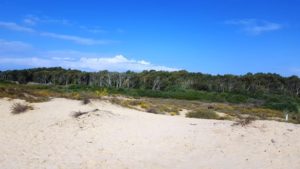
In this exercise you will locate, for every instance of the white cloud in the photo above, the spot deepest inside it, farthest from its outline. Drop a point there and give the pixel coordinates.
(116, 63)
(78, 60)
(15, 27)
(255, 26)
(76, 39)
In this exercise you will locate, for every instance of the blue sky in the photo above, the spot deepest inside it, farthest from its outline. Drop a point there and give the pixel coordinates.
(209, 36)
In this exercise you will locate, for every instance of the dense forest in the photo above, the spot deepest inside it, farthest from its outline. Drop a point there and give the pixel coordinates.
(272, 88)
(160, 80)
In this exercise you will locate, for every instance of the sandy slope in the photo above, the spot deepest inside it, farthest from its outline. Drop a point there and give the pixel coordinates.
(119, 138)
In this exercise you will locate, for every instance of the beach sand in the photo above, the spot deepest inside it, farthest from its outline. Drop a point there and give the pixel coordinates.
(114, 137)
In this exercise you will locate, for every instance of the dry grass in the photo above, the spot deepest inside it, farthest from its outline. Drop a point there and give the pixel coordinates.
(24, 94)
(153, 110)
(144, 105)
(174, 113)
(42, 93)
(18, 108)
(115, 100)
(131, 103)
(244, 122)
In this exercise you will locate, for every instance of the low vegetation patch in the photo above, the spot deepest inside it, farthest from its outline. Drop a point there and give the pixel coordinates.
(153, 110)
(18, 108)
(173, 113)
(144, 105)
(102, 92)
(203, 114)
(168, 101)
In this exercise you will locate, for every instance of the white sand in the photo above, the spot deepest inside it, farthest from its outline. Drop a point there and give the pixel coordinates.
(119, 138)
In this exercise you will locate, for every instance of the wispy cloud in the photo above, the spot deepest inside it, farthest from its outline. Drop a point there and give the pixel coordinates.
(15, 48)
(34, 20)
(29, 21)
(96, 30)
(12, 46)
(255, 26)
(76, 39)
(15, 27)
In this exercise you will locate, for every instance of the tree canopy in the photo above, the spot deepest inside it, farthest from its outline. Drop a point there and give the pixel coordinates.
(258, 83)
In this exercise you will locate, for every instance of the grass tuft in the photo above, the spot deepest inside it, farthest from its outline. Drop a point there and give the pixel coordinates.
(18, 108)
(244, 122)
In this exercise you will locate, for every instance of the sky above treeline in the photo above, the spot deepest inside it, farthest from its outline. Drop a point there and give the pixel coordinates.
(209, 36)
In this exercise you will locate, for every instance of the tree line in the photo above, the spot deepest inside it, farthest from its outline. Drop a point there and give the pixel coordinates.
(260, 83)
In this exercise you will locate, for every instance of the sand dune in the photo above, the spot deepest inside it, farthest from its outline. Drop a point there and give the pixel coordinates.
(113, 137)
